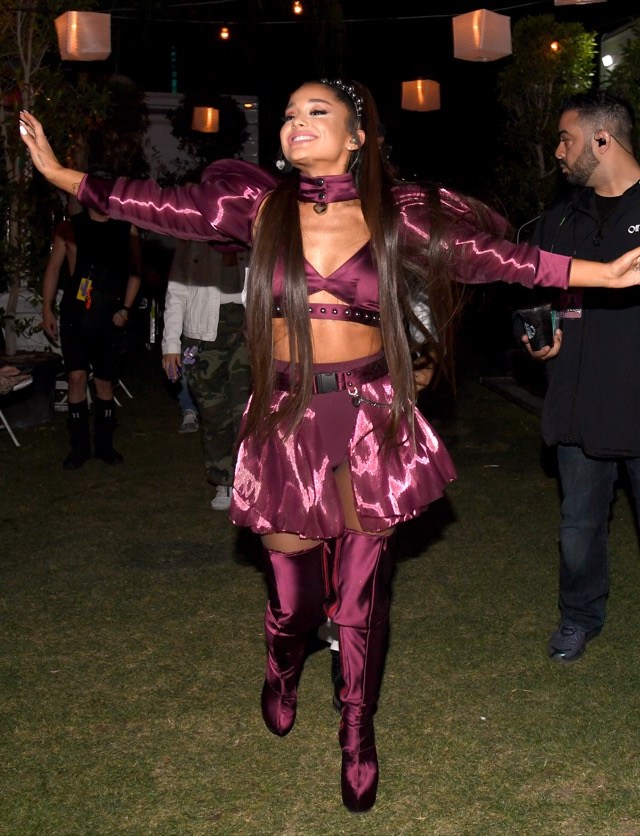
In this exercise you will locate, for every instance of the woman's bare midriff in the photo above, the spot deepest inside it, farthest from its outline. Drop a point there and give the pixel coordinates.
(334, 341)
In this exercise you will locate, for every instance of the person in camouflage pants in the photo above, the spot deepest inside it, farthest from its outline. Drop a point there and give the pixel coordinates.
(219, 381)
(204, 340)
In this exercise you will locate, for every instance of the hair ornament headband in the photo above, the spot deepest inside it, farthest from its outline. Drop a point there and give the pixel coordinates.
(349, 89)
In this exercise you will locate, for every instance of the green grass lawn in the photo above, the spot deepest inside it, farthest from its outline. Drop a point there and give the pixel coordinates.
(132, 653)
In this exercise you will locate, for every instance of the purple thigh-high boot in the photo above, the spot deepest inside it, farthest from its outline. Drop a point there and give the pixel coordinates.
(362, 579)
(298, 585)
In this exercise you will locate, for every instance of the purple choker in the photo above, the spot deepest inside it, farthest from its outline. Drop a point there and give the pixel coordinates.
(321, 191)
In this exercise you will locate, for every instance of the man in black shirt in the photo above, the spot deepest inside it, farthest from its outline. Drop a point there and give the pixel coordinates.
(98, 295)
(592, 406)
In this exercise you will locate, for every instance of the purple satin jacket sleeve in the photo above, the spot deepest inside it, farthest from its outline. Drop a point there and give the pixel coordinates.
(222, 207)
(480, 256)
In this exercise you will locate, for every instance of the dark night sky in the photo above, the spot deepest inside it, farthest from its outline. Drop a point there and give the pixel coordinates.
(268, 58)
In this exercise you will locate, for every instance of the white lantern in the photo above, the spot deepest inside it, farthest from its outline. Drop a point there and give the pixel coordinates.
(576, 2)
(421, 94)
(84, 36)
(481, 36)
(206, 120)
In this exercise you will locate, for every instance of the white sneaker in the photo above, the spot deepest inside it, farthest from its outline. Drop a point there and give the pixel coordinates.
(222, 500)
(189, 422)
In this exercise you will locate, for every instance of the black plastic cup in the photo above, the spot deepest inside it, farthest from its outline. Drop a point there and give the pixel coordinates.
(537, 324)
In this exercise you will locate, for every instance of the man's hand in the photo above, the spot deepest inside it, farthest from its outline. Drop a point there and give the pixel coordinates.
(423, 377)
(172, 365)
(548, 351)
(423, 370)
(9, 377)
(120, 318)
(50, 324)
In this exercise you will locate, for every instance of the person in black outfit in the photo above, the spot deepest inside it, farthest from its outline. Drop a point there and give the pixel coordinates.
(104, 281)
(592, 406)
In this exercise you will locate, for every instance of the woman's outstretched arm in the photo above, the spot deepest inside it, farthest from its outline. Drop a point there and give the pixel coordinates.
(222, 207)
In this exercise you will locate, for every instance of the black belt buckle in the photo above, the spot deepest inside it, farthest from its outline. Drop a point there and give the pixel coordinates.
(326, 382)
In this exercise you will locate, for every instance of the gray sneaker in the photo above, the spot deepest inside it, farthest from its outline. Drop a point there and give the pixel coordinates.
(568, 643)
(189, 422)
(222, 500)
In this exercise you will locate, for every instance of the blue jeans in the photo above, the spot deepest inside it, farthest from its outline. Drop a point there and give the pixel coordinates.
(185, 398)
(587, 488)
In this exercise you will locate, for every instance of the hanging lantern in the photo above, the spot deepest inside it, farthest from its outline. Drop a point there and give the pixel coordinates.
(297, 7)
(84, 36)
(206, 120)
(224, 33)
(481, 36)
(576, 2)
(421, 94)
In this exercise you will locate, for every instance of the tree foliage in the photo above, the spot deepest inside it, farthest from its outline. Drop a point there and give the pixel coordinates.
(72, 108)
(204, 148)
(624, 78)
(531, 89)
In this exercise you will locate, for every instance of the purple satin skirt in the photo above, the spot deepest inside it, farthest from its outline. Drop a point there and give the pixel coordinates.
(287, 485)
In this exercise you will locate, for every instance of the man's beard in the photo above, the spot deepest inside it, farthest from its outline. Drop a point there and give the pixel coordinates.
(582, 169)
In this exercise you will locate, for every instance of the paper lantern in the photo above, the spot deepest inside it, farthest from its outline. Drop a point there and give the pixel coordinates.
(481, 36)
(84, 36)
(206, 120)
(576, 2)
(421, 94)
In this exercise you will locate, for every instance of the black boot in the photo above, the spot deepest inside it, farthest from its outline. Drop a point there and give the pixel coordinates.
(79, 437)
(105, 424)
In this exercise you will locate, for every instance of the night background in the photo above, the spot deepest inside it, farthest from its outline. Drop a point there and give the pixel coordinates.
(175, 46)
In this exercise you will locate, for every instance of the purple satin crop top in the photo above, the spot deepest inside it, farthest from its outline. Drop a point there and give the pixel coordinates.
(355, 283)
(224, 206)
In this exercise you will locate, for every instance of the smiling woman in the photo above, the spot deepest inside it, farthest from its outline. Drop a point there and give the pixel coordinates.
(333, 454)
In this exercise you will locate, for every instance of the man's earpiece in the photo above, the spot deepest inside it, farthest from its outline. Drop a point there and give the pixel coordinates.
(601, 141)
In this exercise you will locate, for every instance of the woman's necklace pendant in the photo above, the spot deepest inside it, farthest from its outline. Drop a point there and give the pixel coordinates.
(320, 208)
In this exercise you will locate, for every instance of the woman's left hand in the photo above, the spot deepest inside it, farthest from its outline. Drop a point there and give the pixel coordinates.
(625, 270)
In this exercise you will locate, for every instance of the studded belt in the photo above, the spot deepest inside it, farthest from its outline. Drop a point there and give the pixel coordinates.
(344, 313)
(337, 381)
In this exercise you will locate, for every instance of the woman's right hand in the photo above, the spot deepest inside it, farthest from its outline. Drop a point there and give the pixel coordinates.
(34, 138)
(43, 157)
